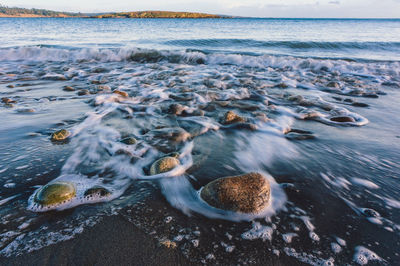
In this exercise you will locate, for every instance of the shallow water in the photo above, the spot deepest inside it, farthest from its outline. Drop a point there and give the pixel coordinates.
(335, 186)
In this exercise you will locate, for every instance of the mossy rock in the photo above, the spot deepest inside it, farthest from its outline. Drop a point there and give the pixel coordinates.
(55, 193)
(248, 193)
(163, 165)
(60, 135)
(129, 141)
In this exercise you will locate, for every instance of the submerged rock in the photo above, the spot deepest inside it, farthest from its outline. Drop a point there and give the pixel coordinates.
(60, 135)
(122, 93)
(248, 193)
(298, 134)
(129, 140)
(97, 191)
(55, 193)
(333, 84)
(163, 165)
(68, 88)
(7, 100)
(343, 119)
(26, 110)
(83, 92)
(231, 117)
(176, 109)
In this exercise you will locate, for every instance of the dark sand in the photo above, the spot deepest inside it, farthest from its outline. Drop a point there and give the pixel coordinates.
(116, 240)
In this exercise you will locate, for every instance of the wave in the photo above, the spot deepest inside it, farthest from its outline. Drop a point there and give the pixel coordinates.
(284, 44)
(54, 54)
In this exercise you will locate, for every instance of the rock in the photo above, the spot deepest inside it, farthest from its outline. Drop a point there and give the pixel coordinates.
(248, 193)
(122, 93)
(68, 88)
(333, 84)
(176, 109)
(196, 112)
(163, 165)
(358, 104)
(176, 134)
(83, 92)
(298, 136)
(53, 76)
(97, 191)
(370, 212)
(103, 88)
(168, 244)
(248, 126)
(173, 154)
(123, 152)
(10, 86)
(231, 117)
(129, 140)
(26, 110)
(55, 193)
(60, 135)
(7, 100)
(343, 119)
(281, 85)
(296, 98)
(99, 70)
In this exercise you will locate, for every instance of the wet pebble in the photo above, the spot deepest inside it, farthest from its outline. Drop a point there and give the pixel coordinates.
(231, 117)
(60, 135)
(163, 165)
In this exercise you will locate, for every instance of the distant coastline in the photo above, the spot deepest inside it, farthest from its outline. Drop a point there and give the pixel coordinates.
(16, 12)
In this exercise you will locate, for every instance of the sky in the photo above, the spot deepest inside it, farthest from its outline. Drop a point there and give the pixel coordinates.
(251, 8)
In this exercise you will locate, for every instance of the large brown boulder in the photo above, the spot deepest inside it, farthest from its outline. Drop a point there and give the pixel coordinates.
(248, 193)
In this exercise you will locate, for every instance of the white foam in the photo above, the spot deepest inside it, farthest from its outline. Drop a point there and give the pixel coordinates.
(363, 255)
(365, 183)
(288, 237)
(258, 231)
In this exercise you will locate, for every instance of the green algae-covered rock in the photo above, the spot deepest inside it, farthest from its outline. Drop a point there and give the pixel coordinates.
(163, 165)
(60, 135)
(248, 193)
(55, 193)
(129, 140)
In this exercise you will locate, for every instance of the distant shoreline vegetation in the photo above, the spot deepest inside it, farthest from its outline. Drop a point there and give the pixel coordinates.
(43, 13)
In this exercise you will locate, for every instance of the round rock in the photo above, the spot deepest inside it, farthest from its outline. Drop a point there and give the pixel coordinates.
(248, 193)
(55, 193)
(60, 135)
(163, 165)
(231, 117)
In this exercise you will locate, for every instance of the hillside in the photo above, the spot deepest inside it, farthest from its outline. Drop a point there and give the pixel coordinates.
(156, 14)
(24, 12)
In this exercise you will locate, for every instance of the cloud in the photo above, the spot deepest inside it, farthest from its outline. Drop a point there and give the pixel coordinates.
(334, 2)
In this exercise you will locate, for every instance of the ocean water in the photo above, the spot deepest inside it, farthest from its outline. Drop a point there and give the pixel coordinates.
(321, 102)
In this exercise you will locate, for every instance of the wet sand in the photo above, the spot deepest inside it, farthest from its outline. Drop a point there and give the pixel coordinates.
(117, 241)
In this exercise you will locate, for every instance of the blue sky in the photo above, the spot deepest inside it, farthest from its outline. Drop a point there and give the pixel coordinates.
(255, 8)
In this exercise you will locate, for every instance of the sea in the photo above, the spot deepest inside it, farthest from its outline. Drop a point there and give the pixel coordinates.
(321, 103)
